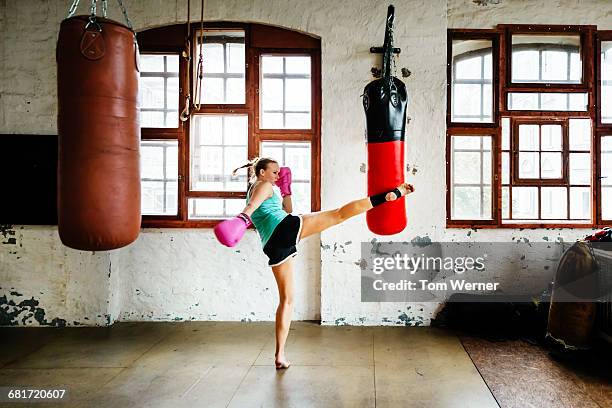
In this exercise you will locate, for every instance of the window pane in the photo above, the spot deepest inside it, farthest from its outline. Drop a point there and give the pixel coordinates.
(272, 65)
(466, 168)
(554, 203)
(159, 175)
(212, 90)
(152, 92)
(505, 122)
(505, 168)
(272, 94)
(203, 208)
(297, 120)
(466, 143)
(580, 134)
(297, 94)
(606, 81)
(529, 137)
(467, 102)
(529, 165)
(286, 88)
(223, 67)
(235, 58)
(546, 58)
(471, 86)
(550, 165)
(606, 160)
(297, 156)
(152, 63)
(547, 101)
(505, 202)
(524, 202)
(236, 130)
(580, 168)
(554, 66)
(151, 161)
(606, 203)
(525, 66)
(469, 67)
(298, 65)
(551, 137)
(218, 146)
(471, 177)
(580, 203)
(467, 203)
(234, 90)
(159, 91)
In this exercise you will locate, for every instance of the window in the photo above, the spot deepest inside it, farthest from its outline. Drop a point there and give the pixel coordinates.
(471, 175)
(159, 175)
(259, 96)
(286, 92)
(223, 66)
(159, 90)
(546, 125)
(542, 58)
(472, 81)
(296, 155)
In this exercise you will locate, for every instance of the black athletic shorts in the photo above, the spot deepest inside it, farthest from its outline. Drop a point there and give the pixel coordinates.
(284, 238)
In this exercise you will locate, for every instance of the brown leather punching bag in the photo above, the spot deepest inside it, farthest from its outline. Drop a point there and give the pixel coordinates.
(99, 134)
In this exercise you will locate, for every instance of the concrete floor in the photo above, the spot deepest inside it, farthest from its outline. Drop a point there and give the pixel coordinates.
(210, 364)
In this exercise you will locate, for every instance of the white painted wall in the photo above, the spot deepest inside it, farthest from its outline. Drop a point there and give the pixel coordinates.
(183, 274)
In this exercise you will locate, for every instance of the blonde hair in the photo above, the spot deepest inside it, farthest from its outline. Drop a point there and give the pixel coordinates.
(254, 166)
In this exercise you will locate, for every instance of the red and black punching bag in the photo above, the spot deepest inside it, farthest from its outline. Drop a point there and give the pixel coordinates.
(384, 101)
(98, 192)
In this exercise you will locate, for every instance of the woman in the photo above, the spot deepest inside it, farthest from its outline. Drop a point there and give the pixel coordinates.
(280, 231)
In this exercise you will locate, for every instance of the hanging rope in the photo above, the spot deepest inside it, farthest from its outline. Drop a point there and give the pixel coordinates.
(192, 105)
(186, 112)
(200, 69)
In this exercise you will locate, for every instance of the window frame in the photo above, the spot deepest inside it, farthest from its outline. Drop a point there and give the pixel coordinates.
(464, 34)
(601, 129)
(515, 180)
(171, 39)
(502, 65)
(495, 180)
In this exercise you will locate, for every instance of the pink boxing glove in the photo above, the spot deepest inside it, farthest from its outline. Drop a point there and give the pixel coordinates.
(230, 232)
(284, 181)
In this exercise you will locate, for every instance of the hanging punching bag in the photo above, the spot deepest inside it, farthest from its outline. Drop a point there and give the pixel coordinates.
(384, 101)
(99, 134)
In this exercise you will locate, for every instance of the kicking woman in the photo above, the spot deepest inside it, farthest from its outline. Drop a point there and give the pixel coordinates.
(280, 231)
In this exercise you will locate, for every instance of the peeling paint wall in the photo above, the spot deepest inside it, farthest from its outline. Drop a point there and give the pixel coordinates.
(184, 274)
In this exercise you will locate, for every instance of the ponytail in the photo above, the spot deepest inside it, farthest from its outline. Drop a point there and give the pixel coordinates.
(253, 166)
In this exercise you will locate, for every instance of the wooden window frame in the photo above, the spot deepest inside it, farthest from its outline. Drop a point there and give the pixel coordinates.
(590, 56)
(170, 40)
(515, 180)
(495, 180)
(461, 34)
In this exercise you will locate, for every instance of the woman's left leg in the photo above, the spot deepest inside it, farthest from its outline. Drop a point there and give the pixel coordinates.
(283, 274)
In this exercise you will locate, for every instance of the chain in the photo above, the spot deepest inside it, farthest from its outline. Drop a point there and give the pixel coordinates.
(92, 9)
(127, 19)
(104, 8)
(73, 8)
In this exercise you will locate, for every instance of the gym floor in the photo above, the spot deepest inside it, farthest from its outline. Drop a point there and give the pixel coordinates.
(210, 364)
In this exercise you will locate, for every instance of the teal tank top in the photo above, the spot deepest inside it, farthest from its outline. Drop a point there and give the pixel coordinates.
(269, 214)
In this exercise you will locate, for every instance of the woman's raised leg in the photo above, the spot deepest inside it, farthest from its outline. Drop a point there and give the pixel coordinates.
(316, 222)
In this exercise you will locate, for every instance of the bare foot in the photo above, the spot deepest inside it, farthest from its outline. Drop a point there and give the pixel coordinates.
(404, 188)
(281, 362)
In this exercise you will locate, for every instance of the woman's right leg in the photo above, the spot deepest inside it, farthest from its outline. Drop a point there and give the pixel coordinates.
(283, 274)
(316, 222)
